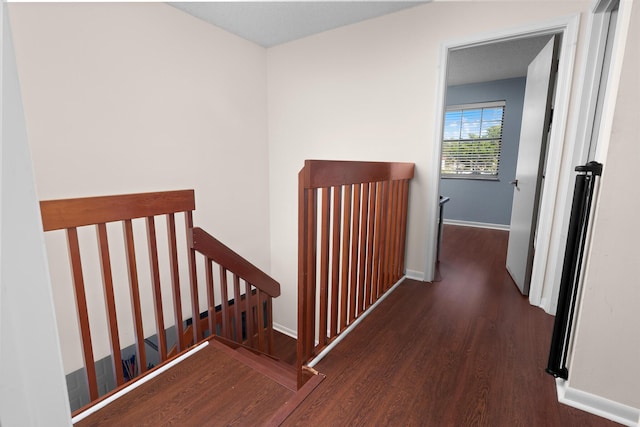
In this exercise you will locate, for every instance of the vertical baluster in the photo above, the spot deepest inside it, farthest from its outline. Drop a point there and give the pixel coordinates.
(393, 232)
(211, 299)
(387, 238)
(193, 278)
(370, 236)
(236, 309)
(346, 244)
(248, 317)
(224, 297)
(175, 281)
(389, 245)
(135, 295)
(83, 314)
(396, 235)
(397, 270)
(403, 227)
(157, 292)
(335, 260)
(311, 268)
(110, 303)
(324, 267)
(261, 328)
(301, 349)
(270, 324)
(382, 237)
(363, 247)
(355, 227)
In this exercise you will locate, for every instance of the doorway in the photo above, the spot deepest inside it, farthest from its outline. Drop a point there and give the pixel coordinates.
(492, 158)
(567, 27)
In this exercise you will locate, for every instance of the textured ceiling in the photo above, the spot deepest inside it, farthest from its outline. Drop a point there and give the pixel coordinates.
(268, 24)
(495, 61)
(271, 23)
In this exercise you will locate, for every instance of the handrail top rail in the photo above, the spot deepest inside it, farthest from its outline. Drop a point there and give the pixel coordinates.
(328, 173)
(77, 212)
(212, 248)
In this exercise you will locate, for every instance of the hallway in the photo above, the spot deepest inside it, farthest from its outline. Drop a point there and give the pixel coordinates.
(468, 350)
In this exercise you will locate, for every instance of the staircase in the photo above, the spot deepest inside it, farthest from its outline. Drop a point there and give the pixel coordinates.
(239, 387)
(216, 338)
(213, 368)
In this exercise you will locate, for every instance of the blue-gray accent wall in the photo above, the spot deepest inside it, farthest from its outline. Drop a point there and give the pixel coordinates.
(487, 201)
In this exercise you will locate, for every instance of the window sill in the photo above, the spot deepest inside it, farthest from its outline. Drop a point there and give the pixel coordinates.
(471, 177)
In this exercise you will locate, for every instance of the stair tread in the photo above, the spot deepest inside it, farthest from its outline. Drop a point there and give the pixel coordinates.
(274, 369)
(269, 360)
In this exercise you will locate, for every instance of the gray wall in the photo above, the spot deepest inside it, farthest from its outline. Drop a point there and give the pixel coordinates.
(488, 201)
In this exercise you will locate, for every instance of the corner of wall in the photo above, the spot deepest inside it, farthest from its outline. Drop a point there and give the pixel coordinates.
(597, 405)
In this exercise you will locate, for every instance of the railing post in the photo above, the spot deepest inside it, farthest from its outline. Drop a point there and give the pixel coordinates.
(302, 352)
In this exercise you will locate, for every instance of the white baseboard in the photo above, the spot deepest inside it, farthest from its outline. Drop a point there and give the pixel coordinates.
(283, 329)
(605, 408)
(415, 275)
(503, 227)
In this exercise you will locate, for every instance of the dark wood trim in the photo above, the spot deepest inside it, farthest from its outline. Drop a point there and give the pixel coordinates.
(324, 267)
(301, 350)
(82, 312)
(134, 292)
(193, 277)
(211, 299)
(156, 288)
(212, 248)
(346, 244)
(291, 404)
(110, 302)
(353, 270)
(329, 173)
(335, 260)
(237, 296)
(66, 213)
(175, 281)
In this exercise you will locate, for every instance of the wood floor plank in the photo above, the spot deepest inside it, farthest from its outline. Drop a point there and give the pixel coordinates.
(208, 388)
(466, 351)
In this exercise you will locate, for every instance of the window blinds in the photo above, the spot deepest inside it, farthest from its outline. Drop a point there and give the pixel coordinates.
(472, 140)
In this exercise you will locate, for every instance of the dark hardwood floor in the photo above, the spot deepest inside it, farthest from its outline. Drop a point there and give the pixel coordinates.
(468, 350)
(210, 388)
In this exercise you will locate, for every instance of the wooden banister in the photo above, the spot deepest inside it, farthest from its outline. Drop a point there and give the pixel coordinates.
(331, 173)
(245, 318)
(208, 245)
(67, 213)
(352, 220)
(260, 288)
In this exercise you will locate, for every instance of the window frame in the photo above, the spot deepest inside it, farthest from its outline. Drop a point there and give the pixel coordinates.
(473, 106)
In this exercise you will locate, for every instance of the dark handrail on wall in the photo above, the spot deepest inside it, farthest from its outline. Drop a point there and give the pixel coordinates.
(574, 252)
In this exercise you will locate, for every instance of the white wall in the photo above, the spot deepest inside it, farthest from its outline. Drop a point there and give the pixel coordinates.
(368, 92)
(123, 98)
(606, 352)
(32, 388)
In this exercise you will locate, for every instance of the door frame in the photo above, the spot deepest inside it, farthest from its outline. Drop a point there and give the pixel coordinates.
(555, 196)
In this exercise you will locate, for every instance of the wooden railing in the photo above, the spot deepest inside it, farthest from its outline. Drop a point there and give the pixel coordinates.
(244, 318)
(352, 220)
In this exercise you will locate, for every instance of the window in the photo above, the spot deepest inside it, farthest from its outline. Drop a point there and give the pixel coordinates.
(472, 140)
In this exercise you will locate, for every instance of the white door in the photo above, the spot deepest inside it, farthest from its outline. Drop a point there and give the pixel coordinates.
(536, 117)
